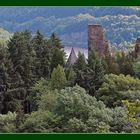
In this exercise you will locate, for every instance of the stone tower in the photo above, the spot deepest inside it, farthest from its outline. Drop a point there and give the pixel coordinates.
(96, 39)
(138, 42)
(136, 49)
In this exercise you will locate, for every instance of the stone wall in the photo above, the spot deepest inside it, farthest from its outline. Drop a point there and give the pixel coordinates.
(136, 49)
(138, 41)
(96, 39)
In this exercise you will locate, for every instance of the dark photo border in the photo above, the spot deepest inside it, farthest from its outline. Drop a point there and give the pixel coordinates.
(70, 3)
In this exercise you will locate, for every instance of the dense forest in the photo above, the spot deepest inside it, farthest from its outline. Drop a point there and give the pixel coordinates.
(40, 93)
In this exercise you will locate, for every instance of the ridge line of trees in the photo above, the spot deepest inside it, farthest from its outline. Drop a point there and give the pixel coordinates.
(38, 93)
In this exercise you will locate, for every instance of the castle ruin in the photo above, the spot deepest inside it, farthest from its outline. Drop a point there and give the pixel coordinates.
(136, 48)
(96, 39)
(97, 42)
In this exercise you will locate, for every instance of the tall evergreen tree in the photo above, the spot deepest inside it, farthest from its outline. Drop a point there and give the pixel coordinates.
(9, 84)
(4, 76)
(79, 67)
(42, 61)
(95, 73)
(136, 67)
(127, 65)
(80, 63)
(58, 57)
(107, 61)
(58, 78)
(57, 52)
(54, 41)
(89, 76)
(22, 57)
(71, 76)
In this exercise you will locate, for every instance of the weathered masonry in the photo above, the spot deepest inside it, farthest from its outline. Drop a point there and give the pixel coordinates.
(96, 39)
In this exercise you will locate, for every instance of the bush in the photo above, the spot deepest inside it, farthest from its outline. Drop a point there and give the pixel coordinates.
(8, 123)
(116, 88)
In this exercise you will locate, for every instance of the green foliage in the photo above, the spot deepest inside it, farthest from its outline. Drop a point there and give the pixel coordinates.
(76, 126)
(9, 83)
(57, 52)
(54, 41)
(118, 63)
(40, 121)
(48, 100)
(80, 111)
(116, 88)
(120, 123)
(4, 75)
(89, 76)
(42, 60)
(95, 73)
(136, 67)
(126, 67)
(43, 120)
(79, 68)
(58, 78)
(39, 89)
(115, 69)
(107, 62)
(103, 128)
(7, 123)
(71, 76)
(72, 110)
(25, 61)
(85, 114)
(33, 84)
(22, 57)
(110, 64)
(4, 37)
(80, 63)
(19, 117)
(133, 114)
(58, 58)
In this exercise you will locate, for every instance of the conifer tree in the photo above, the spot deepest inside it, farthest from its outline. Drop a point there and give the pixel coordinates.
(80, 63)
(58, 78)
(54, 41)
(58, 57)
(79, 67)
(127, 65)
(95, 73)
(9, 83)
(57, 52)
(20, 116)
(42, 60)
(89, 76)
(71, 76)
(107, 62)
(115, 68)
(4, 76)
(22, 56)
(136, 67)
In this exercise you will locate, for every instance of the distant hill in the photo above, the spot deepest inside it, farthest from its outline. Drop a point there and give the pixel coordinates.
(4, 36)
(121, 24)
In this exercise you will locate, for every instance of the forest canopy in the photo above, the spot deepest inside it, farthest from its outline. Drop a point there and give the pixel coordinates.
(40, 93)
